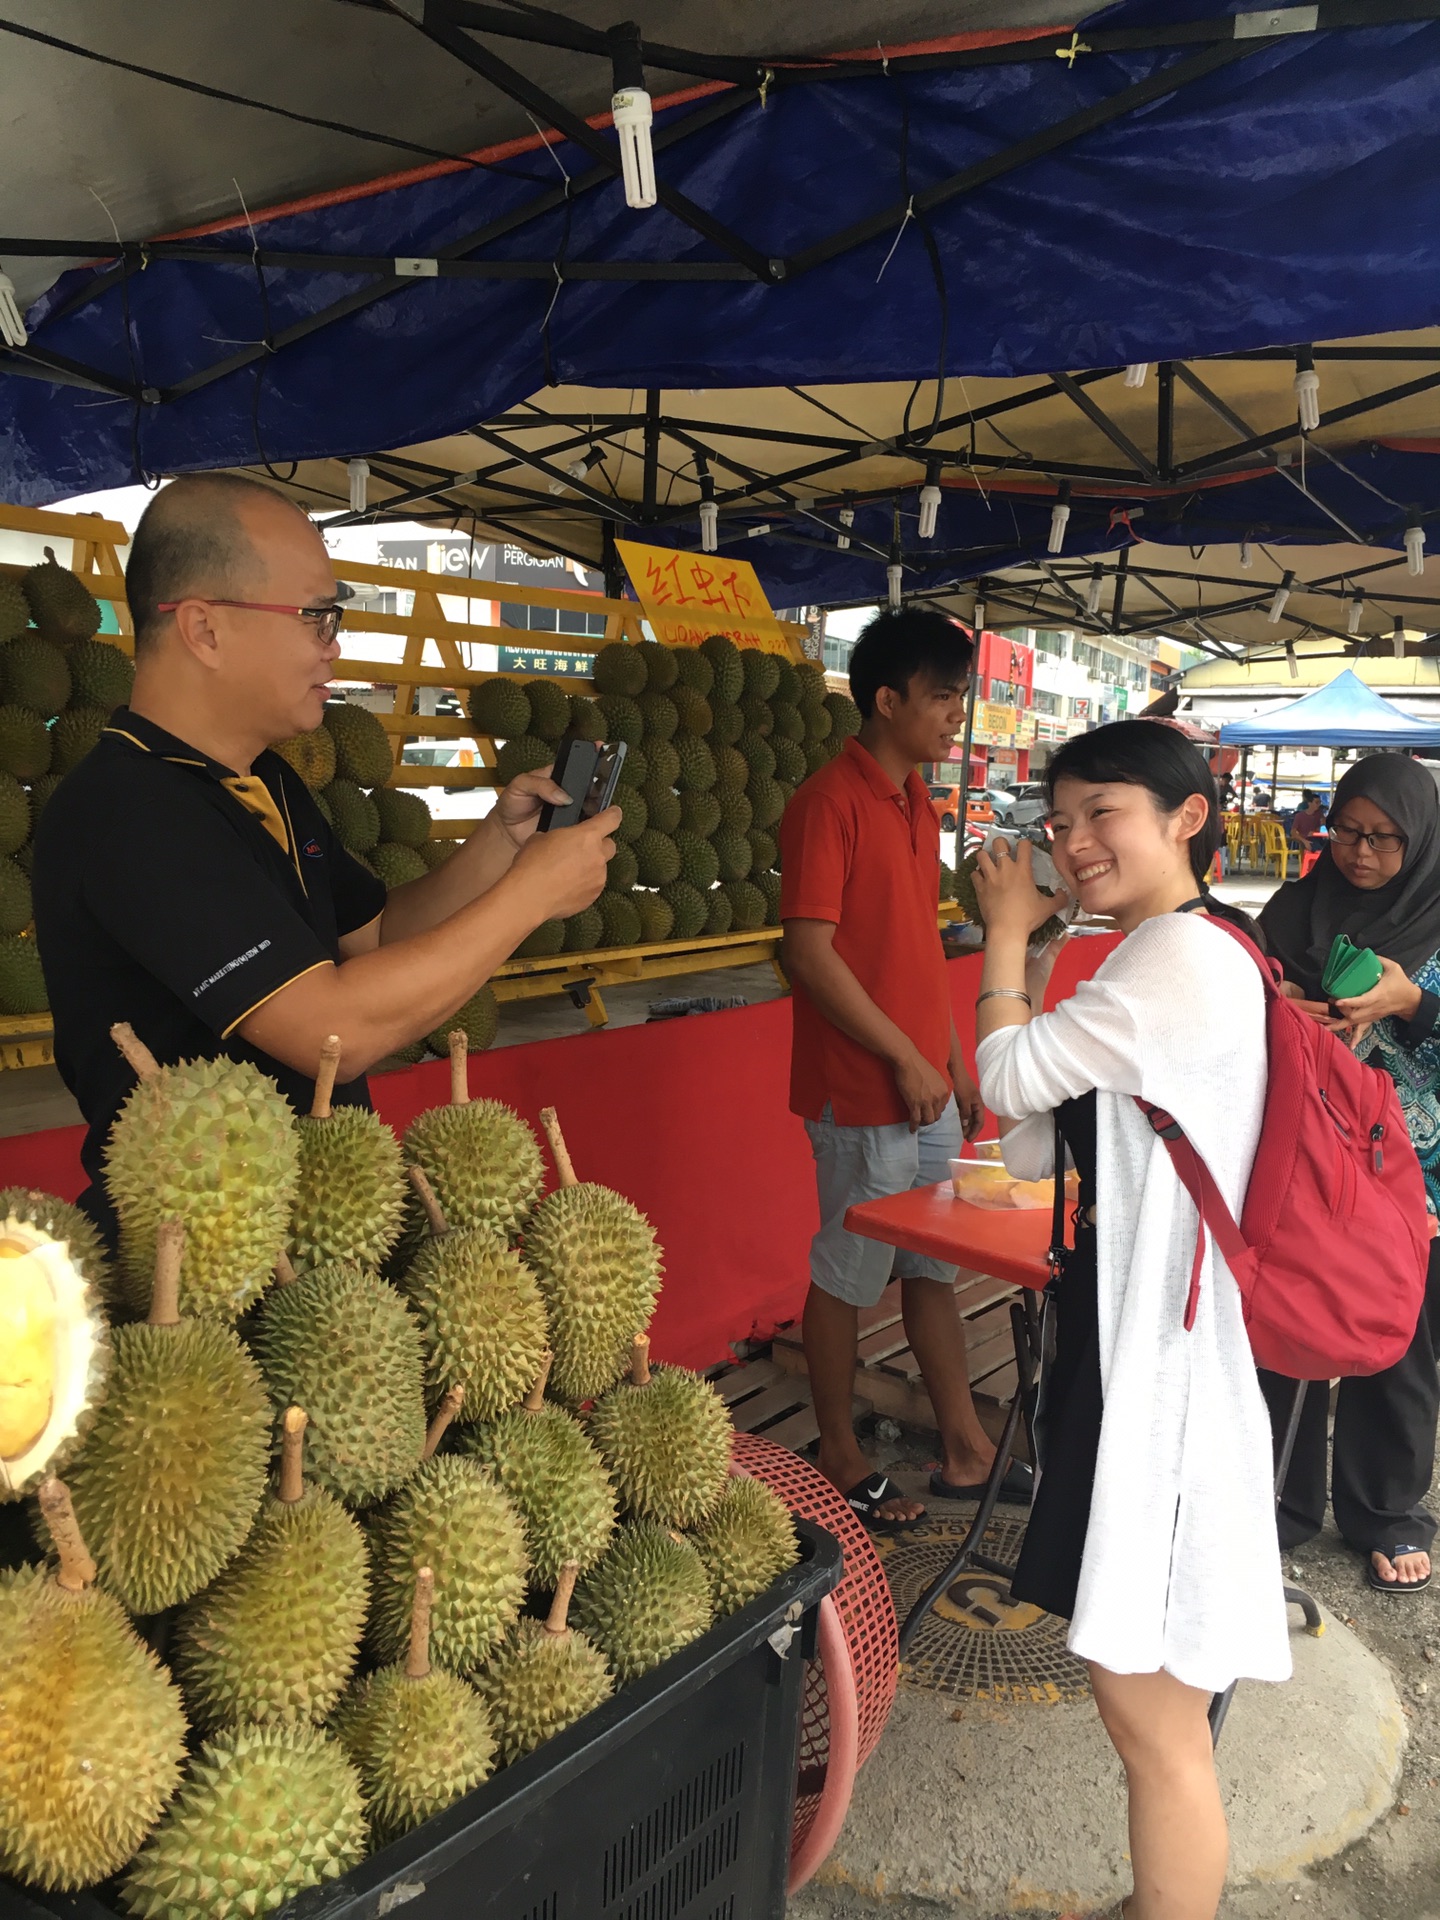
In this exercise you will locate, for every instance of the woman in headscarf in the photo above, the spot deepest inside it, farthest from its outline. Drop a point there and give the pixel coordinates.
(1378, 881)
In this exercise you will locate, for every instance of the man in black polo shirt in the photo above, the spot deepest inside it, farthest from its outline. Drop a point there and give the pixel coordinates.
(186, 881)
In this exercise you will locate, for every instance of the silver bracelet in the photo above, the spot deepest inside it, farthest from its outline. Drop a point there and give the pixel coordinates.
(1004, 993)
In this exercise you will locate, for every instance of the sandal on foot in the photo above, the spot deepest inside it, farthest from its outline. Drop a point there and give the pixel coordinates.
(1372, 1578)
(866, 1498)
(1017, 1487)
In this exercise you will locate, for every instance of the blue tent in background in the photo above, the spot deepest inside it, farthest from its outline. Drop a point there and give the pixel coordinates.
(1183, 191)
(1346, 713)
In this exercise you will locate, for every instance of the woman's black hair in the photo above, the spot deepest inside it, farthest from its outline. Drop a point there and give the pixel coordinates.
(894, 647)
(1171, 769)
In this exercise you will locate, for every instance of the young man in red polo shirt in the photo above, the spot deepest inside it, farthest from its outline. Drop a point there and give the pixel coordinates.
(877, 1073)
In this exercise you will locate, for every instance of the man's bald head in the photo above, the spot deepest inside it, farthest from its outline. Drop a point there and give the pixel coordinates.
(199, 536)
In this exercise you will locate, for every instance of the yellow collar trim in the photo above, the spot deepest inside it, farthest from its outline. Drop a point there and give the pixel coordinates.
(256, 798)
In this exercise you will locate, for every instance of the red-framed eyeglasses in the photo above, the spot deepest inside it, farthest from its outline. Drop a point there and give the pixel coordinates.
(327, 619)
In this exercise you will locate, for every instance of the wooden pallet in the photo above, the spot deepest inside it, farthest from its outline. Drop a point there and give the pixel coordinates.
(765, 1398)
(889, 1374)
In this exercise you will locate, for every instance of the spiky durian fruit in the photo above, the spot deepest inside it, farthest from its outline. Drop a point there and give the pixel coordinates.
(693, 669)
(14, 609)
(397, 866)
(621, 919)
(549, 708)
(664, 1436)
(482, 1160)
(482, 1319)
(657, 917)
(33, 674)
(523, 754)
(362, 746)
(747, 1541)
(719, 913)
(171, 1473)
(452, 1517)
(962, 890)
(623, 873)
(769, 885)
(747, 905)
(211, 1142)
(420, 1737)
(100, 675)
(657, 858)
(620, 668)
(586, 720)
(350, 1194)
(699, 768)
(340, 1343)
(584, 931)
(661, 670)
(598, 1265)
(687, 905)
(276, 1637)
(544, 1678)
(352, 814)
(546, 939)
(478, 1020)
(646, 1599)
(312, 755)
(264, 1813)
(761, 672)
(75, 734)
(500, 709)
(15, 820)
(844, 715)
(404, 817)
(91, 1729)
(60, 606)
(811, 677)
(436, 852)
(728, 665)
(16, 909)
(662, 808)
(53, 1350)
(24, 742)
(556, 1479)
(22, 979)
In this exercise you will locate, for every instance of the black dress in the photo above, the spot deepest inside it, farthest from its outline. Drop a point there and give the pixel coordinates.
(1048, 1572)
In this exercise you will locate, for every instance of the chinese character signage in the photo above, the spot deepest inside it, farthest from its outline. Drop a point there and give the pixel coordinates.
(688, 596)
(994, 724)
(564, 666)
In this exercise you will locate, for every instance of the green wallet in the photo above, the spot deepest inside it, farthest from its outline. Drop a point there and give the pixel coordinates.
(1350, 970)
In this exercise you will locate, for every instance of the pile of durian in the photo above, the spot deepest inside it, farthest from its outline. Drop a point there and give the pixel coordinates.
(59, 685)
(349, 1483)
(717, 740)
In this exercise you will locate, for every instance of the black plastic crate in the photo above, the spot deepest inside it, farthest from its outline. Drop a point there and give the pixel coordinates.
(671, 1802)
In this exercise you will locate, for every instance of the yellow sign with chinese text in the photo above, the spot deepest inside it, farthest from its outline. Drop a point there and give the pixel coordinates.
(686, 597)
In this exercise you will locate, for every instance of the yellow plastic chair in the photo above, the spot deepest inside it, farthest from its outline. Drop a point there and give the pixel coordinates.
(1279, 847)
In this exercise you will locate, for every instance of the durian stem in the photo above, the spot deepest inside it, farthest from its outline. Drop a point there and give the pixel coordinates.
(534, 1401)
(417, 1659)
(292, 1456)
(559, 1152)
(459, 1068)
(560, 1605)
(141, 1059)
(325, 1077)
(77, 1569)
(165, 1293)
(444, 1414)
(425, 1193)
(640, 1361)
(285, 1275)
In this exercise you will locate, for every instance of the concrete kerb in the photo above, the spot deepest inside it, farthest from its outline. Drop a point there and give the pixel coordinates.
(983, 1809)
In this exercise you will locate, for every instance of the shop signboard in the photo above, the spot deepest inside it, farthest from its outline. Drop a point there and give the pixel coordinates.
(994, 724)
(686, 597)
(543, 660)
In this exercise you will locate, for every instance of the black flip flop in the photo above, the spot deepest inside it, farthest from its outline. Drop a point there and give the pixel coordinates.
(1392, 1554)
(1018, 1486)
(867, 1497)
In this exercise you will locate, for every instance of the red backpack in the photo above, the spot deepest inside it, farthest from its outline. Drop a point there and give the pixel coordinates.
(1334, 1239)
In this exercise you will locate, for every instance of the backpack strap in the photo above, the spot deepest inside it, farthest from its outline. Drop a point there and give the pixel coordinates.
(1199, 1183)
(1056, 1257)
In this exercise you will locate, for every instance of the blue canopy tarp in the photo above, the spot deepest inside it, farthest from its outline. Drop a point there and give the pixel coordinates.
(1346, 713)
(1288, 193)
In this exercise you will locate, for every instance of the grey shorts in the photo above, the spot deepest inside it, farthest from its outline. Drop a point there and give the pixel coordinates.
(866, 1163)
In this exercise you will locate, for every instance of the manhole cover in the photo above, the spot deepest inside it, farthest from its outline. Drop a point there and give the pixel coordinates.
(977, 1643)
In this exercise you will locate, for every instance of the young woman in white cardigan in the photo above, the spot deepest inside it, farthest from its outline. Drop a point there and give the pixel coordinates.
(1153, 1528)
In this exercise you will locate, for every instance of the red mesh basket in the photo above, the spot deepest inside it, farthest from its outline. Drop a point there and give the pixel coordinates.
(866, 1616)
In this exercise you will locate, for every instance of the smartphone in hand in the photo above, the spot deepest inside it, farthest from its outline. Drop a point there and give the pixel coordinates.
(589, 771)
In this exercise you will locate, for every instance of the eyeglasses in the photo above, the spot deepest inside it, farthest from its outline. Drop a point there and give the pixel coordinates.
(327, 619)
(1379, 842)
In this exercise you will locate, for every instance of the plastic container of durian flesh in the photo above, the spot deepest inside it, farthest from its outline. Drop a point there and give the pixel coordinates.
(681, 1784)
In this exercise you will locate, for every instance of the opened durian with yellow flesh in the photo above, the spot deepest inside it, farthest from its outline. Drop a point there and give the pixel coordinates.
(53, 1353)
